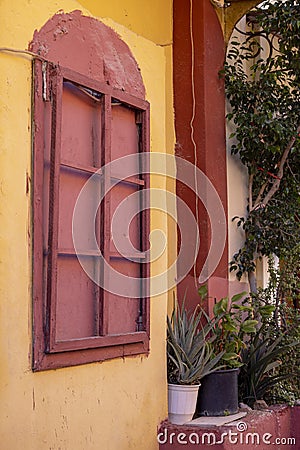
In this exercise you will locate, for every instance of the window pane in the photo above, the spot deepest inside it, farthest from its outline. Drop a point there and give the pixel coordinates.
(125, 223)
(124, 135)
(123, 312)
(71, 183)
(81, 125)
(76, 304)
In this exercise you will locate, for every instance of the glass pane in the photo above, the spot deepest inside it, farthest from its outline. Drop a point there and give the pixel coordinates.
(81, 127)
(71, 183)
(123, 312)
(124, 135)
(125, 219)
(76, 307)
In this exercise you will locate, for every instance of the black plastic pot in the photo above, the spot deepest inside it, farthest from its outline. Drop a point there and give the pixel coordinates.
(218, 394)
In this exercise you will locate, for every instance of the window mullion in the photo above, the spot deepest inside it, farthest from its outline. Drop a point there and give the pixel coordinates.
(105, 209)
(97, 152)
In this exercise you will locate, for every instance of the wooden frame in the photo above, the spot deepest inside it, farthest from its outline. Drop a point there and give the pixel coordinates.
(48, 352)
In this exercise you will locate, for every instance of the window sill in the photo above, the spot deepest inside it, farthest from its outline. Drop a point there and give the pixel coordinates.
(48, 361)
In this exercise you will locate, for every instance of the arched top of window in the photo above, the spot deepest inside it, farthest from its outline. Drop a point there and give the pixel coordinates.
(91, 48)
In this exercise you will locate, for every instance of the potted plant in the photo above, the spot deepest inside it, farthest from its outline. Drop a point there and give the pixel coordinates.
(190, 357)
(271, 357)
(232, 324)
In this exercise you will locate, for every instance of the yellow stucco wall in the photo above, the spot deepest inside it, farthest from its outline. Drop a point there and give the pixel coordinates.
(117, 404)
(150, 19)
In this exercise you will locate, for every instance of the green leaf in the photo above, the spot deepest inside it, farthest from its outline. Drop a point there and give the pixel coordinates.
(267, 310)
(227, 326)
(221, 306)
(202, 291)
(249, 326)
(230, 356)
(238, 297)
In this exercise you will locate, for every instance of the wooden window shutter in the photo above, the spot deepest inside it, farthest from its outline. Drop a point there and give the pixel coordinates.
(80, 126)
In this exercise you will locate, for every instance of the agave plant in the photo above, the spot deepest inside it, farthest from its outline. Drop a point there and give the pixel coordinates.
(190, 355)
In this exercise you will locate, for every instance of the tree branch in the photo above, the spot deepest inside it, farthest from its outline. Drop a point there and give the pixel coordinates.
(250, 191)
(290, 169)
(276, 182)
(252, 282)
(260, 194)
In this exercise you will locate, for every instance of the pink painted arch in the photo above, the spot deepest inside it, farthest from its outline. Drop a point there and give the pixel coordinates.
(91, 48)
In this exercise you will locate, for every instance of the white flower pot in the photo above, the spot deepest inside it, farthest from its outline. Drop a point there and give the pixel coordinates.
(182, 401)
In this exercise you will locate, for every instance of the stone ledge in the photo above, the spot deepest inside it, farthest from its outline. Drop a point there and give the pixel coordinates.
(218, 421)
(277, 428)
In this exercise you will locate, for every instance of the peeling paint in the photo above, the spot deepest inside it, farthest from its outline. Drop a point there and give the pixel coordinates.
(28, 183)
(33, 400)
